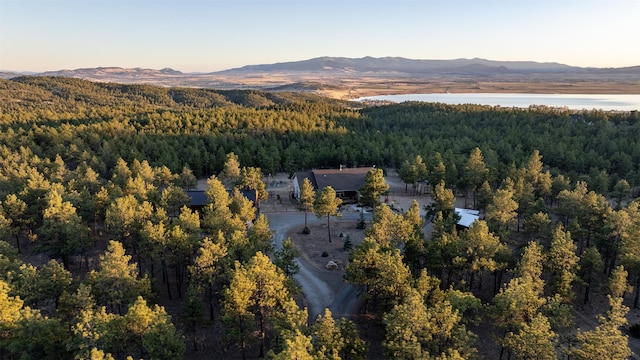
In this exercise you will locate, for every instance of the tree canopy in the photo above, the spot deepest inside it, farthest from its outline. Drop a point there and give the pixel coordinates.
(95, 233)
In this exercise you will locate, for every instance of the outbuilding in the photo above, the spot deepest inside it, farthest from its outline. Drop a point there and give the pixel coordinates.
(467, 217)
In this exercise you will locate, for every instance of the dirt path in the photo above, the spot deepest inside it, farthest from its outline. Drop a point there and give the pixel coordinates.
(321, 289)
(324, 288)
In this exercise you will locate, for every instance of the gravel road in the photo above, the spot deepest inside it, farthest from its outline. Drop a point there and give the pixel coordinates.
(318, 294)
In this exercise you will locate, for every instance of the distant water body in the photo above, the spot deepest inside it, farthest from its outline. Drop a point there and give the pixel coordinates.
(570, 101)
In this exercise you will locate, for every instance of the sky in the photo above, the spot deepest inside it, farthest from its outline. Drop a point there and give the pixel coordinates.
(212, 35)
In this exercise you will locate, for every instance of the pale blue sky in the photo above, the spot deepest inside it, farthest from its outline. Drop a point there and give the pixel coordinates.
(203, 36)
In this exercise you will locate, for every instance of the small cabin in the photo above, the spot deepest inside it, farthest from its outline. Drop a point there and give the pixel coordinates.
(467, 217)
(198, 199)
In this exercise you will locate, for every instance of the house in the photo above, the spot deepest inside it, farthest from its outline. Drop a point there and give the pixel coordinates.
(198, 199)
(467, 217)
(347, 182)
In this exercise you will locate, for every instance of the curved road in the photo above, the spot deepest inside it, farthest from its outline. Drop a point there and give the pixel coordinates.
(316, 291)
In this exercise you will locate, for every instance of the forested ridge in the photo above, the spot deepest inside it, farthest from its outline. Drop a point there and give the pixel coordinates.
(94, 223)
(99, 123)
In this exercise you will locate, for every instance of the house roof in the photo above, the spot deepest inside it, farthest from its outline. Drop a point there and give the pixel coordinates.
(344, 179)
(199, 197)
(467, 216)
(306, 175)
(251, 195)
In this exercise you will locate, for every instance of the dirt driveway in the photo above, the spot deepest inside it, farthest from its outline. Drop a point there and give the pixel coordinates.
(324, 287)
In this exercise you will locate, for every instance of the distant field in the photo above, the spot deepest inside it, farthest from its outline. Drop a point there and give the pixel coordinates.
(349, 88)
(370, 88)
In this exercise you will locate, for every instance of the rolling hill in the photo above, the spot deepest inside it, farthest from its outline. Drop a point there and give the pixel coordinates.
(351, 77)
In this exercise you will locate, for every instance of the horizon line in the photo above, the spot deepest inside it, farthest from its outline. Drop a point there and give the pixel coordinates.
(31, 72)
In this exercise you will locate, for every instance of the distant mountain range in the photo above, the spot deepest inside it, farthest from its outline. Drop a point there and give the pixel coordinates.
(334, 71)
(365, 65)
(405, 66)
(111, 71)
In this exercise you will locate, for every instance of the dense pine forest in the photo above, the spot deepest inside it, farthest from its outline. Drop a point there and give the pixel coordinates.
(95, 232)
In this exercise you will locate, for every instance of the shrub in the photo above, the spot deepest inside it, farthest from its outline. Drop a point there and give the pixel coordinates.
(347, 245)
(361, 224)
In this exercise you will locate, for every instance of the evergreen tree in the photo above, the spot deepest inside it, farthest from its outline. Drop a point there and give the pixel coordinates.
(381, 272)
(523, 194)
(53, 280)
(535, 176)
(193, 314)
(442, 212)
(285, 258)
(535, 340)
(563, 263)
(121, 173)
(125, 218)
(414, 245)
(116, 283)
(333, 340)
(630, 248)
(10, 307)
(438, 170)
(62, 233)
(517, 305)
(217, 195)
(606, 341)
(299, 347)
(208, 267)
(288, 324)
(186, 179)
(389, 229)
(152, 332)
(590, 265)
(621, 191)
(38, 337)
(408, 174)
(501, 213)
(476, 172)
(257, 289)
(260, 236)
(485, 195)
(251, 179)
(617, 284)
(173, 198)
(231, 172)
(414, 331)
(242, 207)
(327, 204)
(481, 248)
(374, 187)
(538, 226)
(307, 197)
(420, 171)
(14, 211)
(446, 252)
(327, 342)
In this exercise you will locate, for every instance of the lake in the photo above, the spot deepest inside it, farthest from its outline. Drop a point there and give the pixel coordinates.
(571, 101)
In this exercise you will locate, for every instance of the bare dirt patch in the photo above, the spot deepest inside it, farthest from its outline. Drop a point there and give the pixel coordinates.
(317, 251)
